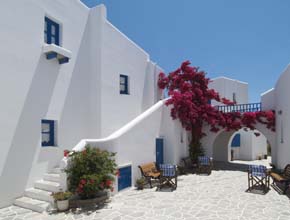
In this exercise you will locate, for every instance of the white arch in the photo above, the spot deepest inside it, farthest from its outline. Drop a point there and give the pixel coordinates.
(216, 144)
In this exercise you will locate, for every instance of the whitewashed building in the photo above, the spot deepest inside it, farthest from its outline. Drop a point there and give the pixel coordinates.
(277, 98)
(69, 77)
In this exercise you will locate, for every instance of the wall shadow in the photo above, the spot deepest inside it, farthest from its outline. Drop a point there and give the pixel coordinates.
(228, 166)
(26, 138)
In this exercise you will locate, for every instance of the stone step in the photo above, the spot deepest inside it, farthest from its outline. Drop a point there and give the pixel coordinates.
(53, 177)
(39, 194)
(47, 186)
(56, 170)
(32, 204)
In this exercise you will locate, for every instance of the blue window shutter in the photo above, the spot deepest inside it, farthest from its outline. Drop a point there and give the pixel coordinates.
(49, 133)
(124, 84)
(48, 32)
(236, 142)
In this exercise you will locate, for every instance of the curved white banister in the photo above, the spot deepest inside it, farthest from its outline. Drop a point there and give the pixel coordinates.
(81, 145)
(108, 140)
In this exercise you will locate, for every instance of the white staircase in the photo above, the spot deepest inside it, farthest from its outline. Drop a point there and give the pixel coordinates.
(39, 198)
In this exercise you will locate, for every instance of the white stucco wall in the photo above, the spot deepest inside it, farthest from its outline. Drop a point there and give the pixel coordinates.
(226, 87)
(268, 100)
(251, 146)
(282, 106)
(135, 144)
(33, 88)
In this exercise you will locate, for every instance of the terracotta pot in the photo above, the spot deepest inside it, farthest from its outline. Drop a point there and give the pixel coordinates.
(140, 186)
(62, 205)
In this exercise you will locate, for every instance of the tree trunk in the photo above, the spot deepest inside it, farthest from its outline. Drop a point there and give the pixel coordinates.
(195, 148)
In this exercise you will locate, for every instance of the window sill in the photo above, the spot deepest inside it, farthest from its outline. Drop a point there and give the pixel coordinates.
(53, 51)
(51, 146)
(123, 93)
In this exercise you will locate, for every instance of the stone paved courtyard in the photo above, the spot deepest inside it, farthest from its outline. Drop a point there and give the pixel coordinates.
(220, 196)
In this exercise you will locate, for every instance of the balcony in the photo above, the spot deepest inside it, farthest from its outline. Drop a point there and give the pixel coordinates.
(53, 51)
(249, 107)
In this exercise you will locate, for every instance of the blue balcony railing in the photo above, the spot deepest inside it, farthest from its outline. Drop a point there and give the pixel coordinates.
(250, 107)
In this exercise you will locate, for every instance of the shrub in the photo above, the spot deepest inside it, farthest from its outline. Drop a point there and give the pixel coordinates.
(90, 171)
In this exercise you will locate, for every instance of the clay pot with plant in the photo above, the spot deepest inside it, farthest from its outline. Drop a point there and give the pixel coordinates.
(62, 200)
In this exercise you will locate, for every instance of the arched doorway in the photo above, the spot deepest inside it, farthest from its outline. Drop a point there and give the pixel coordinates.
(216, 145)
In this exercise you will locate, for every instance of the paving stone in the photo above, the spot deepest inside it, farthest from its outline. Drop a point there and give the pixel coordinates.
(220, 196)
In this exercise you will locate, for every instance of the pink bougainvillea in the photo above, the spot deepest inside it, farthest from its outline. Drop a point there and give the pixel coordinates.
(190, 103)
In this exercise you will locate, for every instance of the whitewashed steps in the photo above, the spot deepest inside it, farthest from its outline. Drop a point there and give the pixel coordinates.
(32, 204)
(53, 177)
(47, 185)
(39, 198)
(56, 170)
(39, 194)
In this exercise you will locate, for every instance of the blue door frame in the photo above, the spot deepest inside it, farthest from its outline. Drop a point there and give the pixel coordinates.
(159, 151)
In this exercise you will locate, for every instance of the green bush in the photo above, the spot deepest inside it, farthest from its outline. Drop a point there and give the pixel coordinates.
(90, 171)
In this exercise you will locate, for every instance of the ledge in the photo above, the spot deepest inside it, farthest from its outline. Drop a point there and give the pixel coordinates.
(53, 51)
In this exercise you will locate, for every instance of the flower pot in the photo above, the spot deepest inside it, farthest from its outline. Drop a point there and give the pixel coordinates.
(140, 186)
(62, 205)
(77, 202)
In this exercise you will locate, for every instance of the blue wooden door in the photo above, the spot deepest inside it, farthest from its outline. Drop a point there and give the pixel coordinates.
(125, 178)
(159, 151)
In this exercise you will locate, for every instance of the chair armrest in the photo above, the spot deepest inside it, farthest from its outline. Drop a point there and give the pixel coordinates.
(278, 171)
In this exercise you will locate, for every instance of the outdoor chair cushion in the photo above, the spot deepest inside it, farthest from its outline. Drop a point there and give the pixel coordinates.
(149, 171)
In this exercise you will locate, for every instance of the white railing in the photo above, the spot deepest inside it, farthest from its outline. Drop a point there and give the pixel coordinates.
(109, 143)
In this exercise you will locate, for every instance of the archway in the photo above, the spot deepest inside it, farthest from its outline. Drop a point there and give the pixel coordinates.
(216, 145)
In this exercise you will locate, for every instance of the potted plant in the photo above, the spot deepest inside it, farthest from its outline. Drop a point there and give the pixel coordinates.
(91, 174)
(140, 183)
(62, 200)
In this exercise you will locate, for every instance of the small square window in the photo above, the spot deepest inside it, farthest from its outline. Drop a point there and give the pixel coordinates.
(51, 32)
(124, 84)
(47, 133)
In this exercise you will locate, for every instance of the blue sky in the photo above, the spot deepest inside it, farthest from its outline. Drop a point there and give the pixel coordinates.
(245, 40)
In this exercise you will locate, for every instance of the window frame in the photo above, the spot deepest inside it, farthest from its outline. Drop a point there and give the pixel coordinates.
(51, 133)
(125, 84)
(48, 35)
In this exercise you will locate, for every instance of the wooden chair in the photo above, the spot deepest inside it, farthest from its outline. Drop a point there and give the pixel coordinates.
(187, 164)
(149, 172)
(168, 176)
(258, 178)
(204, 165)
(281, 179)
